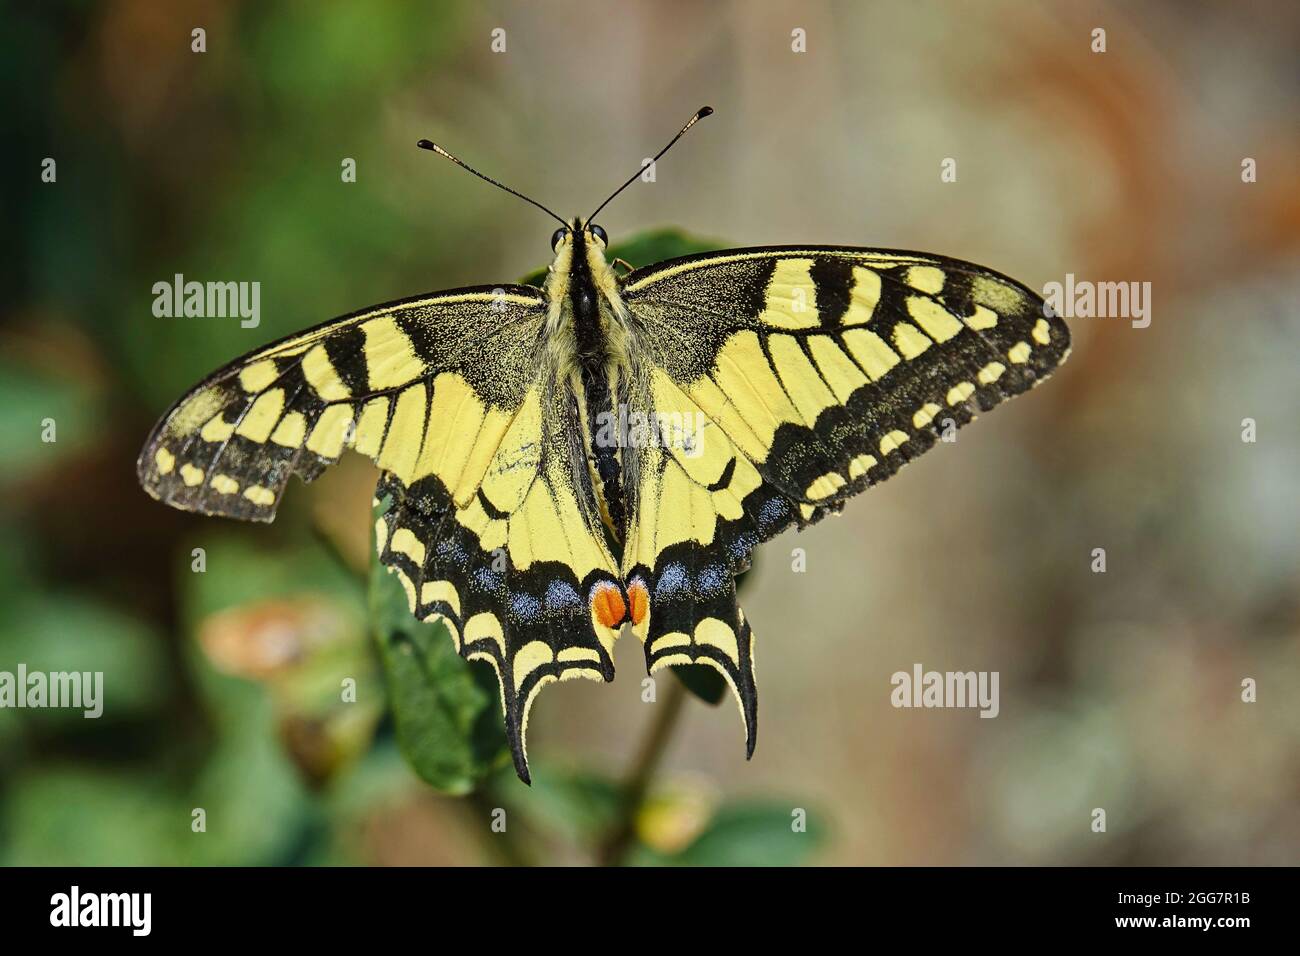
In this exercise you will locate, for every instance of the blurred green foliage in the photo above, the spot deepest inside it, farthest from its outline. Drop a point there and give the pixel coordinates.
(749, 833)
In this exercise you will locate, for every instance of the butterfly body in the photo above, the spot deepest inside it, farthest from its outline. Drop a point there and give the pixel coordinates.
(559, 464)
(588, 330)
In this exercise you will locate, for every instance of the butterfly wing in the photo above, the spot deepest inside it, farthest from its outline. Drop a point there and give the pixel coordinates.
(520, 573)
(814, 372)
(229, 445)
(484, 524)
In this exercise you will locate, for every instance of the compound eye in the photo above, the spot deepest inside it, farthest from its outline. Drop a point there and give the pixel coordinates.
(600, 234)
(557, 236)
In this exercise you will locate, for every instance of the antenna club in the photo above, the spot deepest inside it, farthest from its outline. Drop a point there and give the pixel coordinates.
(425, 144)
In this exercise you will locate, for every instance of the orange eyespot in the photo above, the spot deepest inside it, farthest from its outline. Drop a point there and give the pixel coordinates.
(607, 604)
(639, 598)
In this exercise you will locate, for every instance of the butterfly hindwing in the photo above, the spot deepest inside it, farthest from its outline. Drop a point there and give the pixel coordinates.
(817, 372)
(519, 573)
(691, 532)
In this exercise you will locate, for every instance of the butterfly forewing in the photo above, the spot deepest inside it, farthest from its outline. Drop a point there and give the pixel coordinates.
(229, 446)
(823, 365)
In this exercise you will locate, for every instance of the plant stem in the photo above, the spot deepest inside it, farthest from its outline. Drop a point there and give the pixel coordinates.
(615, 846)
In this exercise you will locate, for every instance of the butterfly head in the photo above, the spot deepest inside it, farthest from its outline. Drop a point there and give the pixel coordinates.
(587, 233)
(581, 259)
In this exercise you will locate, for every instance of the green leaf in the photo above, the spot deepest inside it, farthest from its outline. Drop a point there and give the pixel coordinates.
(746, 834)
(448, 720)
(647, 248)
(655, 245)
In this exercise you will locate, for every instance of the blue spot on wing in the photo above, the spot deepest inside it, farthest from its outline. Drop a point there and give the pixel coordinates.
(449, 551)
(773, 514)
(560, 596)
(713, 580)
(488, 579)
(672, 581)
(742, 545)
(525, 607)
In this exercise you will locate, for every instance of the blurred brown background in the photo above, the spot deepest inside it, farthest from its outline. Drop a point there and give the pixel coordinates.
(1119, 690)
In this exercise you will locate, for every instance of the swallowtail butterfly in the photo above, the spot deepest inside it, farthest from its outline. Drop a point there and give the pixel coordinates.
(608, 448)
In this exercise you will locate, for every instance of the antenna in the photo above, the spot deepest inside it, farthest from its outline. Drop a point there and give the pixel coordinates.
(435, 148)
(700, 114)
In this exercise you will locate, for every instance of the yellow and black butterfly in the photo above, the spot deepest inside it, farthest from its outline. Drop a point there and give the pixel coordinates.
(608, 449)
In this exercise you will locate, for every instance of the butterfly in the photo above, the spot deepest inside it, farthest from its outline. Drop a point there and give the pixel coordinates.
(606, 450)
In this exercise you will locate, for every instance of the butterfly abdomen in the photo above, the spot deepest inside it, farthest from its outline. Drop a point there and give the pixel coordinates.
(604, 453)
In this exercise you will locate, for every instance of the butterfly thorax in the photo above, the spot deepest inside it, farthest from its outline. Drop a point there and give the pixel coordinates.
(587, 344)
